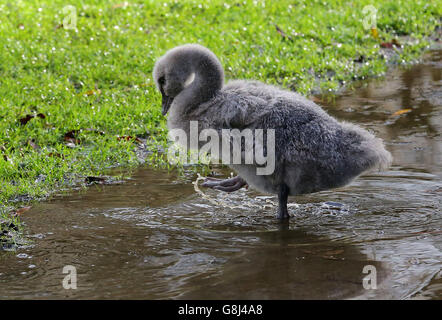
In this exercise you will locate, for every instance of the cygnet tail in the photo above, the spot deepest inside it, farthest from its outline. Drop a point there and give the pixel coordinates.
(378, 158)
(368, 152)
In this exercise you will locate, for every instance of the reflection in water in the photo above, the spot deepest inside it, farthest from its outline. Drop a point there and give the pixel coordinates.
(413, 138)
(154, 237)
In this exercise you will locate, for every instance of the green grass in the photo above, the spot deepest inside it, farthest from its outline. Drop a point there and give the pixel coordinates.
(47, 69)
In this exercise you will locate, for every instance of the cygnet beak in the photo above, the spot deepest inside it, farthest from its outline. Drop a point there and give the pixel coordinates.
(166, 103)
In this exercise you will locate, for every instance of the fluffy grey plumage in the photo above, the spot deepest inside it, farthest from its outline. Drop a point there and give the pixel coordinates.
(314, 151)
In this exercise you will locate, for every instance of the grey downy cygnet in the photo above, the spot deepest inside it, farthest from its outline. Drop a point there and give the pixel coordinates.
(313, 151)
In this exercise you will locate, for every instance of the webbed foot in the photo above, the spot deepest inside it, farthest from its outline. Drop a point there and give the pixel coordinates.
(227, 185)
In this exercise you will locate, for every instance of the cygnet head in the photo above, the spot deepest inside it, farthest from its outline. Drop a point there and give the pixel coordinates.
(187, 76)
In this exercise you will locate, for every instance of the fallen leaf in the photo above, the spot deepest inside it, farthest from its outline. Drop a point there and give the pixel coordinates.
(71, 136)
(399, 112)
(92, 92)
(22, 210)
(94, 180)
(374, 33)
(28, 117)
(55, 155)
(101, 133)
(390, 45)
(387, 45)
(396, 43)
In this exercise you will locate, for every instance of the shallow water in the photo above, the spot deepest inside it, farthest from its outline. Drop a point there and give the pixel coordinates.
(155, 237)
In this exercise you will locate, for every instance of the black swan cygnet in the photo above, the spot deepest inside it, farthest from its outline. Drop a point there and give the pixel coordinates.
(313, 150)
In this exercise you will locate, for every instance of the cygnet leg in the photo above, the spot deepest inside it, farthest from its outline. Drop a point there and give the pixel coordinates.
(227, 185)
(282, 202)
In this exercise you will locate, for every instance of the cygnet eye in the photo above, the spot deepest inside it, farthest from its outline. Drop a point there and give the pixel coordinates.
(161, 81)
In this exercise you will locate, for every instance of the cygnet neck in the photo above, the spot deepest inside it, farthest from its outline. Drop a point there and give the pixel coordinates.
(208, 80)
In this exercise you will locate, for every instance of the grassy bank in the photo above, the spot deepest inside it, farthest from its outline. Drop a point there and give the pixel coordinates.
(73, 101)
